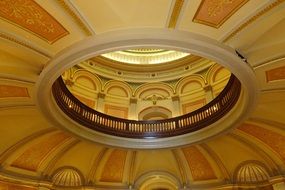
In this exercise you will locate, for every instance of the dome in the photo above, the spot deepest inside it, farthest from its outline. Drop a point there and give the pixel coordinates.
(189, 51)
(67, 177)
(252, 173)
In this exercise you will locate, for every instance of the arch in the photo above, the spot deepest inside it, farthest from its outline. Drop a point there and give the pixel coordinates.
(148, 89)
(148, 177)
(155, 38)
(118, 88)
(94, 80)
(154, 112)
(183, 84)
(251, 172)
(214, 73)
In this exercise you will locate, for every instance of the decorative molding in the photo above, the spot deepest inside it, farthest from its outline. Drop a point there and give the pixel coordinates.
(199, 166)
(114, 167)
(22, 43)
(249, 143)
(30, 16)
(175, 13)
(252, 19)
(71, 10)
(132, 168)
(218, 161)
(215, 12)
(272, 139)
(22, 142)
(9, 91)
(91, 176)
(34, 155)
(275, 74)
(51, 164)
(180, 166)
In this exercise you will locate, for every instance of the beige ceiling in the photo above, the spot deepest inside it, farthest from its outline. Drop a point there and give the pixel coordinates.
(33, 150)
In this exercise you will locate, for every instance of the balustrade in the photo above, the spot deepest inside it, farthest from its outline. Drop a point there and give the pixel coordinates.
(187, 123)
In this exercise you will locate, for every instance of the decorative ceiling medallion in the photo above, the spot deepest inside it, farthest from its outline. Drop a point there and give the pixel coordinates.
(30, 16)
(215, 12)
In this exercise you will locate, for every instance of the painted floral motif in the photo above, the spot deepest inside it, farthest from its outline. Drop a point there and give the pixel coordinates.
(32, 17)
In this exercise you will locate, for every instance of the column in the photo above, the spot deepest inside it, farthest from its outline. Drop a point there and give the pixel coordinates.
(100, 102)
(176, 106)
(208, 93)
(133, 109)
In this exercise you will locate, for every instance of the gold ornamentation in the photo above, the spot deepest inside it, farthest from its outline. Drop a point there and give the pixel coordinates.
(154, 98)
(275, 74)
(271, 138)
(12, 39)
(36, 153)
(215, 12)
(5, 155)
(7, 91)
(217, 6)
(74, 16)
(114, 168)
(31, 16)
(199, 166)
(175, 13)
(252, 19)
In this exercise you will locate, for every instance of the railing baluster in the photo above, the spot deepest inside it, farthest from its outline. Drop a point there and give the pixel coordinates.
(180, 125)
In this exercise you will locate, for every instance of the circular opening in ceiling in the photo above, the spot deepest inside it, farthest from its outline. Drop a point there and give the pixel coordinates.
(128, 40)
(145, 56)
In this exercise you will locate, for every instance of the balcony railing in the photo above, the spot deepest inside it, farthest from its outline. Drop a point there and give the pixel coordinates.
(187, 123)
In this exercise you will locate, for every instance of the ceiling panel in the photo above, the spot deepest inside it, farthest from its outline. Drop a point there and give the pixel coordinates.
(106, 15)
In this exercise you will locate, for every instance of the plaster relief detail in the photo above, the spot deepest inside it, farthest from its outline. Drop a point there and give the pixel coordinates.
(199, 166)
(114, 167)
(31, 158)
(215, 12)
(271, 138)
(30, 16)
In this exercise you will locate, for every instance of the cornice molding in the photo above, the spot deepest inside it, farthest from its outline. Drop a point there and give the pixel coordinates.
(24, 44)
(76, 16)
(253, 19)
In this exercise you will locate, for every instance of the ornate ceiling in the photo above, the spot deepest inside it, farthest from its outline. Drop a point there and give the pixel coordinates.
(36, 154)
